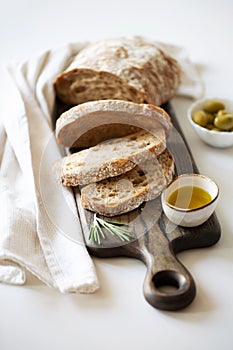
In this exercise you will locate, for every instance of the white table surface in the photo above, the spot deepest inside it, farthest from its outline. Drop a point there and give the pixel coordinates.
(36, 317)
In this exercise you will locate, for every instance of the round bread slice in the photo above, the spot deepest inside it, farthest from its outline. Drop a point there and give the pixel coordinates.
(130, 69)
(121, 194)
(92, 122)
(110, 158)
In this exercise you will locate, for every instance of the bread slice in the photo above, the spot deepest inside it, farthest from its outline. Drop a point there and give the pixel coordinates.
(130, 69)
(111, 158)
(90, 123)
(126, 192)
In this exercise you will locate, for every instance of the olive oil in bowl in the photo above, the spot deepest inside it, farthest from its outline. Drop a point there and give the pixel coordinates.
(189, 197)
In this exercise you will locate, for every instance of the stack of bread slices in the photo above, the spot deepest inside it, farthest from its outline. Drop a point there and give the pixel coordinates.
(117, 175)
(118, 154)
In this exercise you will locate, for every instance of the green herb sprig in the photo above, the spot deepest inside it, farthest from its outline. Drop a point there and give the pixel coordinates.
(115, 228)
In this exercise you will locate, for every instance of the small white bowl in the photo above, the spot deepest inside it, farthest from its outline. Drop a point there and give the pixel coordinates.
(190, 217)
(220, 139)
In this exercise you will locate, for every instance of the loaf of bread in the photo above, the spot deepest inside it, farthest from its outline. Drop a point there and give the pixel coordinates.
(111, 158)
(121, 68)
(121, 194)
(92, 122)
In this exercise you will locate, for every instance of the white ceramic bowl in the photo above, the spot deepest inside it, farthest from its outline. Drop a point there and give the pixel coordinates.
(190, 217)
(213, 138)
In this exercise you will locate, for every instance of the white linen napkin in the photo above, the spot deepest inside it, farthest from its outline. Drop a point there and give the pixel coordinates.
(40, 229)
(191, 83)
(47, 243)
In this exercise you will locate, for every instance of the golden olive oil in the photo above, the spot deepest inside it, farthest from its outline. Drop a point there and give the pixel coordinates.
(189, 197)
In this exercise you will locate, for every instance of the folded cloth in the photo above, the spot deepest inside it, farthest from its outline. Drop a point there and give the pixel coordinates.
(40, 230)
(191, 84)
(39, 227)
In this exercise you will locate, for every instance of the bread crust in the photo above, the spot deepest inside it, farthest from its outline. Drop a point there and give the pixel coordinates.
(121, 68)
(74, 124)
(128, 191)
(111, 158)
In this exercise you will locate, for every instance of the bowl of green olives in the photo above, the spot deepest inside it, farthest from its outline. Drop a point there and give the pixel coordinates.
(212, 119)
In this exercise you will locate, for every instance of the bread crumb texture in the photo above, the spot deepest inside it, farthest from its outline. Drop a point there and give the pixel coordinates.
(110, 158)
(121, 194)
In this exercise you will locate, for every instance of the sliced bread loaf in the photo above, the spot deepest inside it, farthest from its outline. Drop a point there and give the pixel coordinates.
(121, 68)
(90, 123)
(110, 158)
(121, 194)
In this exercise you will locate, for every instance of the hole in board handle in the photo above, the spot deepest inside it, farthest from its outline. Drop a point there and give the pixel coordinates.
(168, 281)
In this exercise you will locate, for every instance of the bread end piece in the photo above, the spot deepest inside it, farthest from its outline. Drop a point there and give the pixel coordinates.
(101, 120)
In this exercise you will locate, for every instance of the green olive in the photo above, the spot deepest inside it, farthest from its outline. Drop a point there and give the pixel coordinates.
(213, 106)
(200, 118)
(224, 122)
(221, 112)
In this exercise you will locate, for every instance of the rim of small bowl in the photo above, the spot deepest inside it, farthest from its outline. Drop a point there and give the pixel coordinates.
(195, 209)
(202, 101)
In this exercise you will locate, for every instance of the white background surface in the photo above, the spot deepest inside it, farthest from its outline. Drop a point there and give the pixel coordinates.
(117, 316)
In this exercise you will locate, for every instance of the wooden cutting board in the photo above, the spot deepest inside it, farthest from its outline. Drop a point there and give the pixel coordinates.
(168, 285)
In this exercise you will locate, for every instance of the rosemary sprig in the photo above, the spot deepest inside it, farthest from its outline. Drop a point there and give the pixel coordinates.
(115, 228)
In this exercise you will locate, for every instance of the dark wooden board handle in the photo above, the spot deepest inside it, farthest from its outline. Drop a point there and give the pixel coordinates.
(164, 270)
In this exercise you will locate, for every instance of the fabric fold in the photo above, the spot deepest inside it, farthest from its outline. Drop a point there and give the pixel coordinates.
(47, 225)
